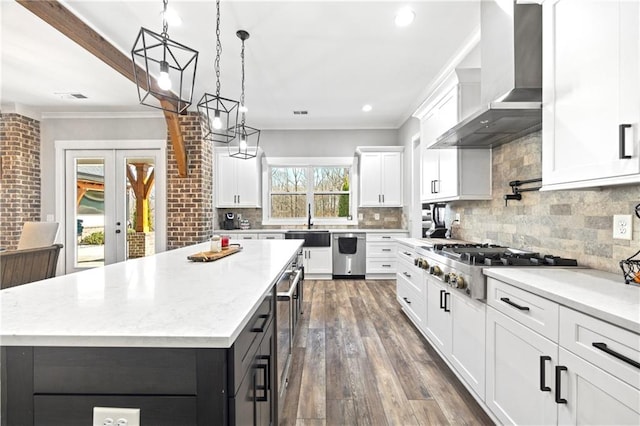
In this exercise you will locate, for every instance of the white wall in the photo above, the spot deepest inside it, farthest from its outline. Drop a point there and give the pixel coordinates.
(87, 129)
(322, 143)
(406, 132)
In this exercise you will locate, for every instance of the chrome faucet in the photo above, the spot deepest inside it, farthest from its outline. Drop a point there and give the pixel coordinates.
(309, 223)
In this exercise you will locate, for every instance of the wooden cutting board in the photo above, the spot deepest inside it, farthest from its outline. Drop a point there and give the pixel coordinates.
(210, 256)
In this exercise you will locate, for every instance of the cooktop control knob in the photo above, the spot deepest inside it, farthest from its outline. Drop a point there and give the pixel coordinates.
(423, 264)
(459, 282)
(435, 270)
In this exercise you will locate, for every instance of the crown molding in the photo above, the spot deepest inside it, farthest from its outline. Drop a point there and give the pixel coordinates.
(53, 115)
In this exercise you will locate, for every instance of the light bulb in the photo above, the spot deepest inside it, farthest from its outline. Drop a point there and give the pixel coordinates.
(243, 108)
(243, 144)
(404, 17)
(217, 122)
(164, 82)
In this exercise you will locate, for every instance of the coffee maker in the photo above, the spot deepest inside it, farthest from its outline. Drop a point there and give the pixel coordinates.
(229, 221)
(438, 228)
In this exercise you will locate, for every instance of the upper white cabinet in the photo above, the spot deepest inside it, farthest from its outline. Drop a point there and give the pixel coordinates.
(452, 173)
(591, 93)
(380, 176)
(455, 174)
(237, 181)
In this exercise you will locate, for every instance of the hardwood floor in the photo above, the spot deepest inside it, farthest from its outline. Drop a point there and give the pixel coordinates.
(359, 361)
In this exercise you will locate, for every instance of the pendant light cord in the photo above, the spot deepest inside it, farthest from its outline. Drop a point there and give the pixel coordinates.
(242, 94)
(165, 24)
(218, 49)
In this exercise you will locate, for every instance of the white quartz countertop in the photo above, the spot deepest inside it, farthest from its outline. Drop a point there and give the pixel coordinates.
(158, 301)
(597, 293)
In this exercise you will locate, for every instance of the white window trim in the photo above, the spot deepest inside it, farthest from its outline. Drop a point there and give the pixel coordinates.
(268, 162)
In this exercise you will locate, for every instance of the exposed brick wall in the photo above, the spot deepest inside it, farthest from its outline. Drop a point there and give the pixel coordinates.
(190, 199)
(19, 176)
(141, 244)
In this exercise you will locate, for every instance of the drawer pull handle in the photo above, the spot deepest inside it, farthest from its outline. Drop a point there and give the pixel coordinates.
(406, 253)
(406, 275)
(515, 305)
(559, 399)
(386, 237)
(265, 374)
(407, 300)
(260, 329)
(386, 266)
(603, 347)
(543, 386)
(386, 249)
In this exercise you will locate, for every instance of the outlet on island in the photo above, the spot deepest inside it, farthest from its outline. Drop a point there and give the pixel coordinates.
(112, 416)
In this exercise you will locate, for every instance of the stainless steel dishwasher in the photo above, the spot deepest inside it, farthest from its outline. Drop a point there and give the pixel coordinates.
(349, 255)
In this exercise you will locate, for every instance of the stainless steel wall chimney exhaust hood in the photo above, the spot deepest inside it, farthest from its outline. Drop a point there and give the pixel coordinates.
(511, 78)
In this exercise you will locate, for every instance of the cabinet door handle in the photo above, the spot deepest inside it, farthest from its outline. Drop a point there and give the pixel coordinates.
(603, 347)
(260, 329)
(382, 198)
(436, 189)
(264, 369)
(559, 370)
(621, 139)
(446, 307)
(515, 305)
(543, 360)
(267, 358)
(433, 186)
(442, 303)
(238, 199)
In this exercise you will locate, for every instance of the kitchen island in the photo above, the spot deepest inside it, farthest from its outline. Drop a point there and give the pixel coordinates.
(188, 343)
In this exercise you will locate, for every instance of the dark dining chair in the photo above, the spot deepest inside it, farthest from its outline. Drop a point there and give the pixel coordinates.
(28, 265)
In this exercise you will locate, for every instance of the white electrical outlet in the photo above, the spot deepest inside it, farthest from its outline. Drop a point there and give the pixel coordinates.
(376, 216)
(622, 226)
(360, 216)
(458, 218)
(111, 416)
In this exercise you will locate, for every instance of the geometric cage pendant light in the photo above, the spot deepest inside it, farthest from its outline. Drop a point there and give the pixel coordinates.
(169, 69)
(218, 115)
(245, 145)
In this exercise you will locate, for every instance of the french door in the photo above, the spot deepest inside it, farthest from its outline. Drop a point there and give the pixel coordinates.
(114, 206)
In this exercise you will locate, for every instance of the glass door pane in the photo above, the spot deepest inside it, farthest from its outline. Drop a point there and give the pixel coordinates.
(139, 206)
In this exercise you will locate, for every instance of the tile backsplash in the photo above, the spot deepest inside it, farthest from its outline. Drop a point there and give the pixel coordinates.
(572, 223)
(389, 218)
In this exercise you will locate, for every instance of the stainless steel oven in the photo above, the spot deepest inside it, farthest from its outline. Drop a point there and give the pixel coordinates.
(289, 293)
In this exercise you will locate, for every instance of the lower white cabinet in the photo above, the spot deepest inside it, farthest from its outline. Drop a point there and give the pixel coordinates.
(381, 254)
(243, 236)
(593, 396)
(271, 236)
(317, 260)
(411, 291)
(455, 326)
(520, 363)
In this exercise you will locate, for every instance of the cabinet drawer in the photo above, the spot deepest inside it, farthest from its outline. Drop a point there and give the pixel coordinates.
(381, 266)
(77, 410)
(63, 370)
(243, 236)
(404, 252)
(278, 236)
(248, 341)
(579, 333)
(384, 237)
(381, 249)
(412, 300)
(412, 274)
(535, 312)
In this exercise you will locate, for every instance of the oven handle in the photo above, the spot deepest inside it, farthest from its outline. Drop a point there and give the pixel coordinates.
(293, 287)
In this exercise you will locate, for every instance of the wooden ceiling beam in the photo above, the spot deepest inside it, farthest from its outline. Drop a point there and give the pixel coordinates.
(62, 19)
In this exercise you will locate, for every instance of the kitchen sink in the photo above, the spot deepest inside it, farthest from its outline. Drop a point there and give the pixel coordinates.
(312, 238)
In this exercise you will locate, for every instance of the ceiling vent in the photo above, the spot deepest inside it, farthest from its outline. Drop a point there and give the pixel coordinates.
(71, 96)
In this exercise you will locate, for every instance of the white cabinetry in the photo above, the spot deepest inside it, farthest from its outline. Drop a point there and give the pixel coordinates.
(317, 261)
(271, 236)
(591, 88)
(455, 174)
(380, 176)
(455, 326)
(411, 290)
(381, 254)
(452, 174)
(570, 368)
(237, 181)
(242, 236)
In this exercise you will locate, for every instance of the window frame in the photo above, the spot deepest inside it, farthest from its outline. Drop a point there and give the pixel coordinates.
(310, 164)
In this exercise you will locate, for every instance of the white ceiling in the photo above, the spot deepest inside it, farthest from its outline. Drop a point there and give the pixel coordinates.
(329, 58)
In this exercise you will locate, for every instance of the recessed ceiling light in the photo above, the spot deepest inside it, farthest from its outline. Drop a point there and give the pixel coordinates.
(404, 17)
(367, 108)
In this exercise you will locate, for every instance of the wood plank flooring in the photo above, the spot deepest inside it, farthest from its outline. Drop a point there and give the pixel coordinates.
(359, 361)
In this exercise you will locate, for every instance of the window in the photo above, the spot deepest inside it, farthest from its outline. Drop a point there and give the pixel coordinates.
(326, 187)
